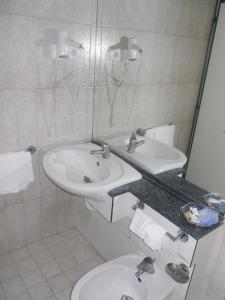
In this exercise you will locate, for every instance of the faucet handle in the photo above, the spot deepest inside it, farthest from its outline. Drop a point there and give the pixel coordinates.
(141, 132)
(145, 262)
(105, 146)
(133, 136)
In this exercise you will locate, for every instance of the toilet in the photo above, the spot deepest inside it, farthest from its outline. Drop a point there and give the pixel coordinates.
(116, 280)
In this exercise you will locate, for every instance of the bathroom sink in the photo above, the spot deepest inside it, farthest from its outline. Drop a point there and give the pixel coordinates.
(116, 280)
(153, 156)
(74, 169)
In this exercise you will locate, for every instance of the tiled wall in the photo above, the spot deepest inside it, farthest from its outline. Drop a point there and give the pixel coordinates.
(39, 105)
(38, 99)
(162, 86)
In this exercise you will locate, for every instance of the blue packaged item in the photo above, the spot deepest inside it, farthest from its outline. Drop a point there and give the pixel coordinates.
(208, 216)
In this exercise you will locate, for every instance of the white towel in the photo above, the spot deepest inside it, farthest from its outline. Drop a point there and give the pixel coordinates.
(146, 228)
(139, 221)
(16, 172)
(154, 236)
(164, 134)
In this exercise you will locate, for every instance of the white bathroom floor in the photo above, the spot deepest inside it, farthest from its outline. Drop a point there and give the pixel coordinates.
(46, 270)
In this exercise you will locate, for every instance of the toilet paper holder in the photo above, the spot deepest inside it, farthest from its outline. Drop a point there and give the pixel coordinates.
(140, 204)
(181, 236)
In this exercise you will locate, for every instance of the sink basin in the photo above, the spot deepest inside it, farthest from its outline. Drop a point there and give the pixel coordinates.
(116, 279)
(153, 156)
(75, 170)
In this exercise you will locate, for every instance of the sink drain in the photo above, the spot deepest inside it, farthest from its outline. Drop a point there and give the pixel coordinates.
(125, 297)
(88, 179)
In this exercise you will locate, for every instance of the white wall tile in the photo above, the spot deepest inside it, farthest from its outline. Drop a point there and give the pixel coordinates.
(23, 52)
(32, 211)
(21, 6)
(47, 188)
(2, 293)
(11, 199)
(8, 121)
(16, 226)
(55, 9)
(46, 116)
(48, 215)
(64, 211)
(4, 243)
(85, 11)
(4, 5)
(5, 27)
(6, 65)
(107, 12)
(27, 122)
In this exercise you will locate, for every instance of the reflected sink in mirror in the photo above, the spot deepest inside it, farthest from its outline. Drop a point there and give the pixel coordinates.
(74, 169)
(152, 156)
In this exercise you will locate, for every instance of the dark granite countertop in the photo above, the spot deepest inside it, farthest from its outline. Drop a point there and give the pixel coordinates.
(182, 187)
(166, 201)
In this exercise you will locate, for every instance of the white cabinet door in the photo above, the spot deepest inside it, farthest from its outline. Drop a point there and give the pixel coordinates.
(207, 160)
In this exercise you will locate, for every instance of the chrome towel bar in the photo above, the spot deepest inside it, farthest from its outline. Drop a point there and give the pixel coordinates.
(181, 235)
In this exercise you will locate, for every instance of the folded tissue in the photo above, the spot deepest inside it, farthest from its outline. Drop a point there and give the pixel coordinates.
(16, 172)
(146, 228)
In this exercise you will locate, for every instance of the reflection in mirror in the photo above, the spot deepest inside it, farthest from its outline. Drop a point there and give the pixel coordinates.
(117, 62)
(151, 155)
(206, 166)
(161, 86)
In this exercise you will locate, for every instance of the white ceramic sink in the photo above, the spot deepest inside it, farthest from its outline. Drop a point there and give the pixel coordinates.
(153, 156)
(116, 278)
(68, 167)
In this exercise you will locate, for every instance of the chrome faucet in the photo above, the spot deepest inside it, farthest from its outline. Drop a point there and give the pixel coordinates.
(133, 143)
(105, 151)
(146, 266)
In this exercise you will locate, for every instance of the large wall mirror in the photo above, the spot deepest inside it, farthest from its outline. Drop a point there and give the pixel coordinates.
(149, 57)
(206, 166)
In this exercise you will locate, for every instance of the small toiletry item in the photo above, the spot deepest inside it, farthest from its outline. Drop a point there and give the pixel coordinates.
(194, 215)
(201, 215)
(216, 201)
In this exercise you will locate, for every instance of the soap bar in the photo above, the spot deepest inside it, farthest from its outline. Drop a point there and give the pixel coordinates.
(187, 215)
